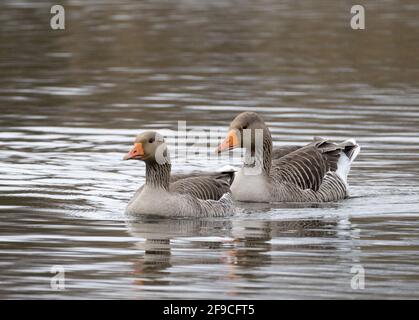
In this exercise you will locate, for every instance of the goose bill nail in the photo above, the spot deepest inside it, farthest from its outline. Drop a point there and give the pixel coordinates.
(135, 153)
(230, 142)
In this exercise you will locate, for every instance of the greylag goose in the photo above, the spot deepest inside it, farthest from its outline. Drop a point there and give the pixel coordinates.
(163, 195)
(316, 172)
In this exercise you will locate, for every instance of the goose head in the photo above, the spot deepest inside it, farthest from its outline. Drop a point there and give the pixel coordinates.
(149, 147)
(244, 127)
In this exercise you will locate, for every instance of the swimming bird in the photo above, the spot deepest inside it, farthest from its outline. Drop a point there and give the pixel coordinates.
(194, 195)
(316, 172)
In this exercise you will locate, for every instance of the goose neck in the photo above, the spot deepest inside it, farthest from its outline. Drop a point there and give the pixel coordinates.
(259, 157)
(158, 175)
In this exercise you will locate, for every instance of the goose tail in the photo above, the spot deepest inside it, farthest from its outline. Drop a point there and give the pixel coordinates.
(350, 150)
(218, 208)
(228, 171)
(226, 199)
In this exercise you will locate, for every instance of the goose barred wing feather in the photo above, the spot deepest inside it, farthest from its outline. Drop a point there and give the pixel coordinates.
(308, 166)
(202, 187)
(225, 175)
(279, 152)
(304, 168)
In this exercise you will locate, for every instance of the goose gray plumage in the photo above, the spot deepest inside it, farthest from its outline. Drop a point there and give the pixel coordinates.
(165, 195)
(316, 172)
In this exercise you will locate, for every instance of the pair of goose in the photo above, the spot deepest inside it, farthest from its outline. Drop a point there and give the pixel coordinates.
(316, 172)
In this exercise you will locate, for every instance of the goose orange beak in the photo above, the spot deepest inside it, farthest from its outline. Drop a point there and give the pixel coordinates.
(137, 152)
(230, 142)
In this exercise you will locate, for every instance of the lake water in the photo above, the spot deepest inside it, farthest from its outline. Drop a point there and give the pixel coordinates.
(71, 102)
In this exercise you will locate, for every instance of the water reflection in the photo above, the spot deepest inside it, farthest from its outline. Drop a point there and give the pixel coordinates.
(237, 247)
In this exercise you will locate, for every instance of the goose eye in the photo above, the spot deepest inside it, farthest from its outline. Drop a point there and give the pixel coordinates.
(244, 127)
(151, 140)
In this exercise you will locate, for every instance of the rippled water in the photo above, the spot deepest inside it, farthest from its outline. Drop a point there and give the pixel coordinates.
(71, 102)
